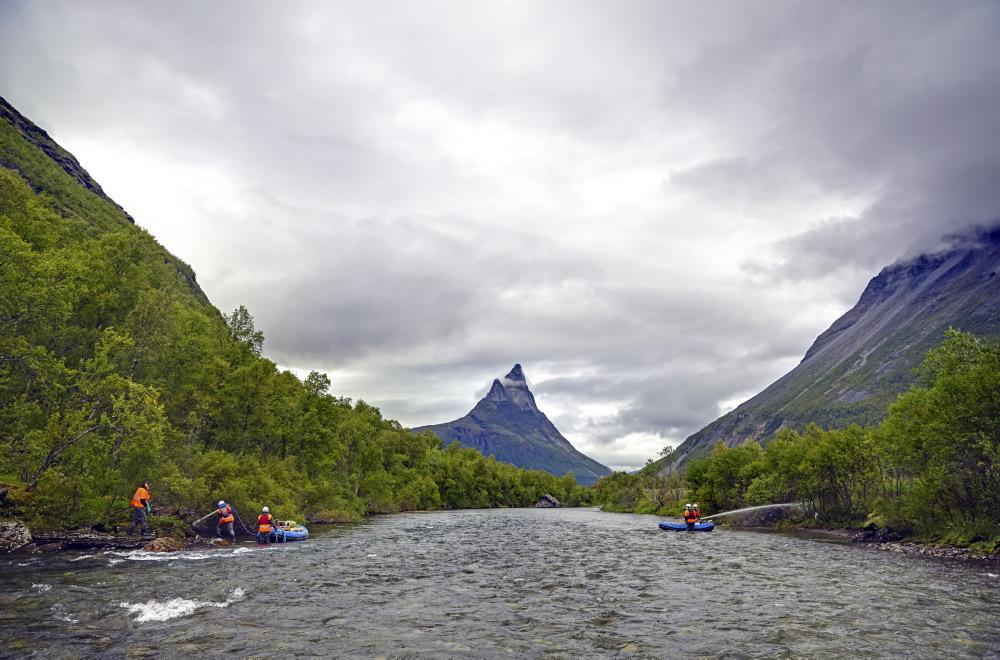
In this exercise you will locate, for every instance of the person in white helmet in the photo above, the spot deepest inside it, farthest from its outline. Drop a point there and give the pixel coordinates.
(226, 518)
(690, 517)
(265, 523)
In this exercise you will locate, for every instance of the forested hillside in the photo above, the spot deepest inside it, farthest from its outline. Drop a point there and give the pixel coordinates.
(862, 362)
(931, 468)
(115, 368)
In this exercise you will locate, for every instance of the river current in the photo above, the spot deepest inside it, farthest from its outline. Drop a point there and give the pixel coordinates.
(509, 582)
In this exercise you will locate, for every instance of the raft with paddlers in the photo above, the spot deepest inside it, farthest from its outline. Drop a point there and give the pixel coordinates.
(692, 521)
(668, 526)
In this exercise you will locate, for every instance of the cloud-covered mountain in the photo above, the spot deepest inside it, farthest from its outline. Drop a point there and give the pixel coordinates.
(854, 369)
(507, 423)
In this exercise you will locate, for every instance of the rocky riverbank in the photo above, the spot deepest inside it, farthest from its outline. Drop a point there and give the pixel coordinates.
(887, 540)
(874, 537)
(933, 550)
(16, 537)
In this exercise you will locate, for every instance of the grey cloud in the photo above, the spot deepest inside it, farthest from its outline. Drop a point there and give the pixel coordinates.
(654, 207)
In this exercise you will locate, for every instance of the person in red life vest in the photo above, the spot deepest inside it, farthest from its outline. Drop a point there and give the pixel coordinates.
(690, 516)
(265, 524)
(697, 512)
(140, 507)
(226, 517)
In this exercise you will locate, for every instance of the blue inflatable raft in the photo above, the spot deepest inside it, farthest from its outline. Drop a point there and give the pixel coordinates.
(667, 526)
(289, 531)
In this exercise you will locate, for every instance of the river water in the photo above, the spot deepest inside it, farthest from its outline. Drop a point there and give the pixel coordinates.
(509, 582)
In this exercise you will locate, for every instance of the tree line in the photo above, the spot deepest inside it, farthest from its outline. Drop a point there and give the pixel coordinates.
(114, 369)
(931, 468)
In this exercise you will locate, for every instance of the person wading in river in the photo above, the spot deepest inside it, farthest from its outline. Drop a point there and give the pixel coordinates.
(265, 523)
(140, 507)
(226, 517)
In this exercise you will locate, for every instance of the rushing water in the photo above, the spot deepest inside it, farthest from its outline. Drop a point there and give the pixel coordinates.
(521, 582)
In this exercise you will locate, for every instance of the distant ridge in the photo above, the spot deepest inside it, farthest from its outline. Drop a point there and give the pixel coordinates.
(507, 424)
(854, 369)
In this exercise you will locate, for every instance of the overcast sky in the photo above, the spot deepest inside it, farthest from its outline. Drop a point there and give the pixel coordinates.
(655, 207)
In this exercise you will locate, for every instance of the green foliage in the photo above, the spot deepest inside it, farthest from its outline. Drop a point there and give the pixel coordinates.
(930, 468)
(115, 369)
(647, 491)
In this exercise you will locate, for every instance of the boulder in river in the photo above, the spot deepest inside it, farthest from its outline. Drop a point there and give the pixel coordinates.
(13, 535)
(546, 501)
(164, 544)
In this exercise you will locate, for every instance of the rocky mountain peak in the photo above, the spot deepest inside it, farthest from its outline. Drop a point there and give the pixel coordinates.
(507, 423)
(514, 388)
(497, 392)
(515, 378)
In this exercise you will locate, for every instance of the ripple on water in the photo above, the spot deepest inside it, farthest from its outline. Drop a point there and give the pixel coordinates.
(575, 583)
(154, 610)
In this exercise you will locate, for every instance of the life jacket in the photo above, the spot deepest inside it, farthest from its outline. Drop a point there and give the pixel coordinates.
(697, 514)
(264, 521)
(140, 495)
(690, 516)
(225, 516)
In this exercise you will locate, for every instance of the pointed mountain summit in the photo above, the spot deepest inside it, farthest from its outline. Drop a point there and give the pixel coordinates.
(507, 423)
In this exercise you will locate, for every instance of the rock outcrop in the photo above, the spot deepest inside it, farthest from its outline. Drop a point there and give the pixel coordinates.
(546, 501)
(507, 424)
(165, 544)
(14, 535)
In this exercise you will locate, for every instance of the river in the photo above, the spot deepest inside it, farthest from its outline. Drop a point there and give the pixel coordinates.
(514, 582)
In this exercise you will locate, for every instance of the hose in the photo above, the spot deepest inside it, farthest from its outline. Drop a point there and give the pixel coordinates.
(202, 518)
(241, 522)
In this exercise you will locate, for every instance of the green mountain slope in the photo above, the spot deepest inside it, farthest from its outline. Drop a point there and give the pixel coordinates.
(114, 368)
(507, 424)
(857, 367)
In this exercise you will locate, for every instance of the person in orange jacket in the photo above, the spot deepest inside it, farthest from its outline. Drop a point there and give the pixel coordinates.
(691, 516)
(140, 507)
(265, 523)
(226, 518)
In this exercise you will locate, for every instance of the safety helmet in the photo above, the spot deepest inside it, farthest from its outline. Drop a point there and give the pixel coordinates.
(222, 503)
(266, 510)
(695, 505)
(687, 506)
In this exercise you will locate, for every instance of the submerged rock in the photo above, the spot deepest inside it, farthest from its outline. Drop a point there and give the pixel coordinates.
(546, 501)
(13, 535)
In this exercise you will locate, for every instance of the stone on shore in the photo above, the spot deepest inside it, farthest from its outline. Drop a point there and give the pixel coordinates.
(13, 535)
(546, 501)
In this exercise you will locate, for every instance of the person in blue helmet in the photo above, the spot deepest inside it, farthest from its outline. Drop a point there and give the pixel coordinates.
(225, 522)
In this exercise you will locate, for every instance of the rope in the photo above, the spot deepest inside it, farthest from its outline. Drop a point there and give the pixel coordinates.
(241, 522)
